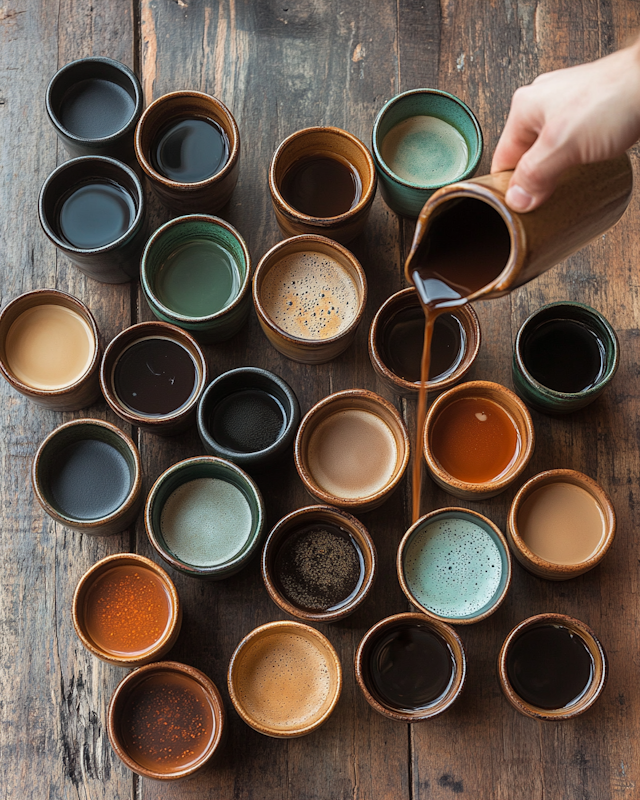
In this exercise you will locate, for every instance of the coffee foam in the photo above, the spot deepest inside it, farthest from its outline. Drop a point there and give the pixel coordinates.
(310, 295)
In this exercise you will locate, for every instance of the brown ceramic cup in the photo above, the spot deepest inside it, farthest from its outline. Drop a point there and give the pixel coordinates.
(305, 519)
(124, 585)
(596, 682)
(351, 450)
(162, 754)
(401, 623)
(79, 393)
(202, 196)
(175, 420)
(402, 314)
(524, 503)
(336, 288)
(326, 143)
(520, 417)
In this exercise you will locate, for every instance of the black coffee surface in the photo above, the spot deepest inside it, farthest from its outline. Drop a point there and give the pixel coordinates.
(95, 108)
(190, 150)
(248, 421)
(96, 214)
(155, 377)
(564, 355)
(549, 667)
(321, 186)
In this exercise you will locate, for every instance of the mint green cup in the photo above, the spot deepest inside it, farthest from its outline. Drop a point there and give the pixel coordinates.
(195, 273)
(422, 140)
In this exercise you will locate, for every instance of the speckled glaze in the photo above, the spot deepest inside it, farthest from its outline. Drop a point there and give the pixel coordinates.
(159, 648)
(209, 195)
(496, 536)
(518, 412)
(309, 351)
(314, 141)
(80, 394)
(74, 431)
(598, 680)
(541, 397)
(534, 563)
(408, 298)
(402, 196)
(317, 515)
(439, 628)
(224, 323)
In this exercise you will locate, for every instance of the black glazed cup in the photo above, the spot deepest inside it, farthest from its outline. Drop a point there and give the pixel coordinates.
(117, 261)
(247, 379)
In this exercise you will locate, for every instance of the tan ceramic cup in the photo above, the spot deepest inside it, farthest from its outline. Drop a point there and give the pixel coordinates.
(253, 654)
(548, 569)
(308, 438)
(165, 641)
(297, 348)
(408, 299)
(596, 684)
(328, 142)
(520, 416)
(205, 196)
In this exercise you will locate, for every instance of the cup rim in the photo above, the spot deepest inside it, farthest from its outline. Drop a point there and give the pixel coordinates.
(150, 293)
(427, 519)
(367, 195)
(471, 166)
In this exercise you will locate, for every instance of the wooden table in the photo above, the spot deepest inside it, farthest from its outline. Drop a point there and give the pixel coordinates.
(281, 66)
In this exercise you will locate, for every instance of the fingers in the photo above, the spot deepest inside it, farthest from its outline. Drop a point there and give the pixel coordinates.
(520, 131)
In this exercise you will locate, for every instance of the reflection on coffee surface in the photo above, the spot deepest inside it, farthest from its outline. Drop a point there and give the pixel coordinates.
(322, 185)
(95, 214)
(96, 108)
(190, 150)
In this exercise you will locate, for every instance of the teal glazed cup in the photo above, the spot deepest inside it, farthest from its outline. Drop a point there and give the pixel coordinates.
(426, 154)
(213, 303)
(570, 345)
(205, 517)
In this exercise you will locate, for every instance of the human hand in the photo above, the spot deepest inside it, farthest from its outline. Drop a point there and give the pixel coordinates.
(571, 116)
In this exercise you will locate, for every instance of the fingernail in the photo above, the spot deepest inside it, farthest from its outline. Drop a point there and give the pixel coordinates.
(518, 199)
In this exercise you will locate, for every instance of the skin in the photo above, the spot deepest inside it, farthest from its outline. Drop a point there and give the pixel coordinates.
(571, 116)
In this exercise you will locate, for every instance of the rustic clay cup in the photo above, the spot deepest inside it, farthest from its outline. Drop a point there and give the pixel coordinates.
(84, 391)
(44, 463)
(329, 142)
(408, 299)
(118, 705)
(410, 619)
(532, 561)
(205, 196)
(162, 424)
(305, 350)
(319, 515)
(521, 418)
(598, 677)
(157, 649)
(251, 647)
(347, 400)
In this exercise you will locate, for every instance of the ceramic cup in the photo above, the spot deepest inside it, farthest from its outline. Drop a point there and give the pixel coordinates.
(454, 565)
(351, 450)
(322, 181)
(410, 667)
(249, 416)
(137, 720)
(214, 302)
(195, 191)
(396, 337)
(471, 461)
(309, 294)
(284, 679)
(94, 105)
(50, 349)
(561, 524)
(422, 140)
(205, 517)
(554, 659)
(153, 375)
(86, 475)
(565, 355)
(126, 610)
(93, 210)
(319, 564)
